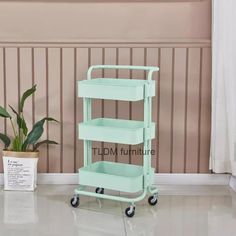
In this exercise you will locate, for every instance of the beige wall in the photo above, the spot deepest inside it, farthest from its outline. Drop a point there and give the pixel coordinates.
(52, 44)
(26, 21)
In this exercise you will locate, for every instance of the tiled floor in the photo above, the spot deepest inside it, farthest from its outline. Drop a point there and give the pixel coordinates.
(182, 210)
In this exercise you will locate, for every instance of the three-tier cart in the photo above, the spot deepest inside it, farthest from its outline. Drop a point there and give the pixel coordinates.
(112, 175)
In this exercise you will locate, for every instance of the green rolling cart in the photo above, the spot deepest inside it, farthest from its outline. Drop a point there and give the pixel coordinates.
(111, 175)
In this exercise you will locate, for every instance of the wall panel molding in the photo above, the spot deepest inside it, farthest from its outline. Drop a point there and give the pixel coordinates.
(174, 43)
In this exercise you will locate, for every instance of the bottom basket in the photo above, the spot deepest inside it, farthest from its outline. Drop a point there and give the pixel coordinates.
(111, 175)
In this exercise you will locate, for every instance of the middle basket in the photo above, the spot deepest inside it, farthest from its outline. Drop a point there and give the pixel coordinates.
(115, 131)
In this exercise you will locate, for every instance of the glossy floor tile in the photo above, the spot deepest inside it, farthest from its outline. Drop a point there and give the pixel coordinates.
(181, 210)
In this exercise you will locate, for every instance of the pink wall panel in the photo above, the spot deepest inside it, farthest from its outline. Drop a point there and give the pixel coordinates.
(25, 80)
(205, 111)
(110, 106)
(178, 109)
(153, 60)
(2, 96)
(164, 152)
(181, 107)
(192, 110)
(82, 61)
(67, 101)
(55, 108)
(12, 79)
(40, 109)
(96, 58)
(137, 111)
(124, 108)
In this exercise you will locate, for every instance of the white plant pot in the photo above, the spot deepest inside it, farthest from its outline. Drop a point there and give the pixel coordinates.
(20, 170)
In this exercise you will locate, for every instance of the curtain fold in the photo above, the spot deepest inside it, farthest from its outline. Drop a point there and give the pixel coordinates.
(223, 136)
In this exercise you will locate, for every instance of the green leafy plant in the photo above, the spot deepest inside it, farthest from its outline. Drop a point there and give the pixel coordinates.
(23, 140)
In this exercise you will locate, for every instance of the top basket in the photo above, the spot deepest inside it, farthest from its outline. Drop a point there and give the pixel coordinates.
(117, 89)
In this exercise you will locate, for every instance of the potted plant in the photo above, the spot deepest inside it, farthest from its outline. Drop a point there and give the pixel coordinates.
(20, 154)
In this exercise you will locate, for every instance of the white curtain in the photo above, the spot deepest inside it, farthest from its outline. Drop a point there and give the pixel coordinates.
(223, 137)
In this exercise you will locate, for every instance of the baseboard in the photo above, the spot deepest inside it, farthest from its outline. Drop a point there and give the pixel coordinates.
(1, 179)
(232, 183)
(160, 179)
(58, 178)
(192, 179)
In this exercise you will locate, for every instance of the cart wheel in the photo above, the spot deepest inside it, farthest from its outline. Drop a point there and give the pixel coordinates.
(152, 200)
(99, 190)
(74, 201)
(130, 211)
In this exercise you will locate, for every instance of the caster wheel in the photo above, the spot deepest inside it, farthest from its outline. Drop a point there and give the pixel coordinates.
(130, 211)
(99, 190)
(152, 200)
(74, 201)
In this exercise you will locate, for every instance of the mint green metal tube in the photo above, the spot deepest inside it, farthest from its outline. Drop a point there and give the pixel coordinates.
(151, 69)
(112, 197)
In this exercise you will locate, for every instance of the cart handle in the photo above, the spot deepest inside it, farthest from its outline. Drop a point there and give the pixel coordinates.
(151, 69)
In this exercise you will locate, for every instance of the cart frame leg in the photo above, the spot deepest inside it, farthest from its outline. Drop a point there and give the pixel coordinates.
(81, 191)
(153, 189)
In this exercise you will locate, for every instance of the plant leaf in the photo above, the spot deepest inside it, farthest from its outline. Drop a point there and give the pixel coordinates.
(36, 132)
(44, 142)
(5, 139)
(16, 144)
(24, 126)
(33, 136)
(21, 122)
(41, 122)
(26, 94)
(4, 113)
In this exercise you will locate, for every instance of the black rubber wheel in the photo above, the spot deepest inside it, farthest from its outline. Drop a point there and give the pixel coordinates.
(99, 190)
(130, 213)
(152, 200)
(74, 202)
